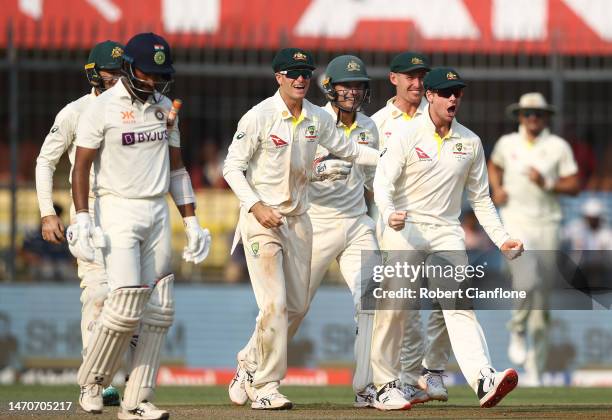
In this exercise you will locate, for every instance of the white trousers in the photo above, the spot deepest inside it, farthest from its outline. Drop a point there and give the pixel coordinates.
(278, 261)
(138, 238)
(464, 331)
(344, 240)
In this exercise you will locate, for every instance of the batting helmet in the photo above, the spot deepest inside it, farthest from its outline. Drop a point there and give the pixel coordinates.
(345, 69)
(106, 56)
(149, 53)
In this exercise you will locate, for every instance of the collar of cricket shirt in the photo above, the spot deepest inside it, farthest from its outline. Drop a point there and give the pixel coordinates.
(358, 123)
(431, 128)
(396, 112)
(523, 134)
(284, 112)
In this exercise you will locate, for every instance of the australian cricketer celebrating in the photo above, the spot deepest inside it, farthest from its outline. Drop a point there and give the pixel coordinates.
(275, 144)
(418, 188)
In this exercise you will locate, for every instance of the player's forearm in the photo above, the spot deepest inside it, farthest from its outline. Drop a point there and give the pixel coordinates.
(489, 219)
(496, 175)
(241, 187)
(383, 195)
(367, 156)
(44, 187)
(80, 178)
(569, 185)
(182, 193)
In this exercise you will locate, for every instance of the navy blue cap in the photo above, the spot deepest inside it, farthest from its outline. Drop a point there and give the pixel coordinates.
(150, 53)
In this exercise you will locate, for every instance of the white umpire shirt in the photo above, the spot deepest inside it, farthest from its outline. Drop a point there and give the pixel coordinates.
(548, 154)
(425, 175)
(391, 118)
(59, 141)
(277, 151)
(134, 159)
(344, 197)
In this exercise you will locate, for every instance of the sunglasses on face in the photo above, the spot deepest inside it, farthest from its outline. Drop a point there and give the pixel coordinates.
(296, 73)
(532, 113)
(447, 93)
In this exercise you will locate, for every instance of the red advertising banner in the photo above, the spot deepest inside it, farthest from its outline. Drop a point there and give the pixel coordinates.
(471, 26)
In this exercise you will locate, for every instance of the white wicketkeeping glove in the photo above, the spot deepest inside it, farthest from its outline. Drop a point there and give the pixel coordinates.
(198, 241)
(332, 169)
(83, 238)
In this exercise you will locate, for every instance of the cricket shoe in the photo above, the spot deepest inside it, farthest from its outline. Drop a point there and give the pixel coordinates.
(433, 384)
(391, 398)
(365, 398)
(274, 401)
(90, 399)
(145, 410)
(237, 391)
(111, 397)
(414, 394)
(517, 349)
(494, 386)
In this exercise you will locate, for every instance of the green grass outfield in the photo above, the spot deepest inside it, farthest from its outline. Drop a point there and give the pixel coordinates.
(333, 403)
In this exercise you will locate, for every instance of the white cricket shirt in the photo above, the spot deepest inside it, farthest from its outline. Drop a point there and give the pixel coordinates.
(426, 176)
(391, 118)
(59, 140)
(133, 160)
(277, 151)
(548, 154)
(344, 197)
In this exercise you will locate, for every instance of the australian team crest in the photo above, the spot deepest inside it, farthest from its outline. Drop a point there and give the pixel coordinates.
(117, 52)
(311, 132)
(255, 249)
(459, 146)
(353, 66)
(363, 138)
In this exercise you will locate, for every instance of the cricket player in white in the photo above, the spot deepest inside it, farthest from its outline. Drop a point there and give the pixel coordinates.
(338, 212)
(418, 188)
(102, 71)
(137, 157)
(275, 144)
(407, 71)
(529, 170)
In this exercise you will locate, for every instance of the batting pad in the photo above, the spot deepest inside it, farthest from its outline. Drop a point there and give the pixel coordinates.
(156, 320)
(122, 310)
(363, 366)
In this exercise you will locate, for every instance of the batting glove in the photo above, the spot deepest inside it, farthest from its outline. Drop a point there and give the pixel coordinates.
(332, 169)
(198, 241)
(83, 238)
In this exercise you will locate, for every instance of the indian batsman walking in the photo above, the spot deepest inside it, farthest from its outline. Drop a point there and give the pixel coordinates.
(275, 144)
(102, 71)
(137, 162)
(418, 188)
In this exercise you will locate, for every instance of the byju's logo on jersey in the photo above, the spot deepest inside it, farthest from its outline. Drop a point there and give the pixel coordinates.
(421, 154)
(278, 142)
(128, 139)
